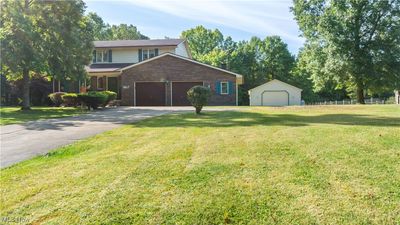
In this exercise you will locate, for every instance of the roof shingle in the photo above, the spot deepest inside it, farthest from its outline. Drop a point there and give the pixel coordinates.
(137, 43)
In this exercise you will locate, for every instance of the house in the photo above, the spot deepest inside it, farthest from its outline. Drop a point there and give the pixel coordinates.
(275, 93)
(157, 73)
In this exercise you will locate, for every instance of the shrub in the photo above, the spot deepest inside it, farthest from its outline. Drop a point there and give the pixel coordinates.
(198, 97)
(70, 99)
(93, 99)
(111, 96)
(56, 98)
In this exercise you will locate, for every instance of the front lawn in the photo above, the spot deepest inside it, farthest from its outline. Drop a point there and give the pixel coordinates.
(11, 115)
(296, 165)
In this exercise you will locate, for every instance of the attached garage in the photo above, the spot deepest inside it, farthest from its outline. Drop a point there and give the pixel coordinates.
(165, 79)
(150, 94)
(275, 93)
(179, 92)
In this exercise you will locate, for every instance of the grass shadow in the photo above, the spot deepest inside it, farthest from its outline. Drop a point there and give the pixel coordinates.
(245, 119)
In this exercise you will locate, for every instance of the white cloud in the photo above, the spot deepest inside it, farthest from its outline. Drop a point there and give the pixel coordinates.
(257, 17)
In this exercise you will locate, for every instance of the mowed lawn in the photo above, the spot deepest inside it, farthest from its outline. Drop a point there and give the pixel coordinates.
(12, 115)
(294, 165)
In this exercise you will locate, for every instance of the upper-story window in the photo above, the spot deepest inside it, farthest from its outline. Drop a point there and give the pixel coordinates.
(101, 56)
(148, 53)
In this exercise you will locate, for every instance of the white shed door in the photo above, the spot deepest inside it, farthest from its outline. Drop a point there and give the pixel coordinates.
(275, 98)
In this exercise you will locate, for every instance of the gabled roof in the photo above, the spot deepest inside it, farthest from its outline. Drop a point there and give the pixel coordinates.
(184, 58)
(276, 80)
(137, 43)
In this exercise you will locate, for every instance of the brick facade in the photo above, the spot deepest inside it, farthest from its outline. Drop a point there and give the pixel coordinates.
(173, 69)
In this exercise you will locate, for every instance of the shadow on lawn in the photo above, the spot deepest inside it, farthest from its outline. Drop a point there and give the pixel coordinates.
(244, 119)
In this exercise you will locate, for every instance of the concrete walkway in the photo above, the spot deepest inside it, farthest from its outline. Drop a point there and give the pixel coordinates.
(24, 141)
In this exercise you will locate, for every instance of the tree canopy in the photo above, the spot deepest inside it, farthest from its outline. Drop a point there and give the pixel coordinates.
(258, 60)
(48, 37)
(353, 44)
(104, 31)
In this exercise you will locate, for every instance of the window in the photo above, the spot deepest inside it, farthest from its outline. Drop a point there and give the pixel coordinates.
(148, 53)
(102, 56)
(224, 88)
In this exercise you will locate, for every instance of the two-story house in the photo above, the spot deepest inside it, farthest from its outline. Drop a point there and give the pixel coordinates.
(157, 73)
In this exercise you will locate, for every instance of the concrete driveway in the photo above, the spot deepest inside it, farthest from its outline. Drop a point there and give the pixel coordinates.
(24, 141)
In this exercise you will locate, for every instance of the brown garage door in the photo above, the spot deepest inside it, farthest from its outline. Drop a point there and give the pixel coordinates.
(150, 94)
(179, 92)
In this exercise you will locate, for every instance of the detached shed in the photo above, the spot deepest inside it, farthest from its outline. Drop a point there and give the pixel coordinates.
(275, 93)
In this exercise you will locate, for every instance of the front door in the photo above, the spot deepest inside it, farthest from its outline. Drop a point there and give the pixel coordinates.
(112, 84)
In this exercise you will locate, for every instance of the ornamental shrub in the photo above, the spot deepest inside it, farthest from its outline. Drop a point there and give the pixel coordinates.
(56, 98)
(93, 99)
(198, 96)
(70, 99)
(111, 96)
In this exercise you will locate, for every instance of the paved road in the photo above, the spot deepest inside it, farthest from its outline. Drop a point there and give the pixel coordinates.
(23, 141)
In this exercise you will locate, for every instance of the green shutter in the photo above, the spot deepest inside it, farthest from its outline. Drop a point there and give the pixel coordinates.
(218, 87)
(94, 56)
(109, 55)
(230, 87)
(156, 51)
(140, 55)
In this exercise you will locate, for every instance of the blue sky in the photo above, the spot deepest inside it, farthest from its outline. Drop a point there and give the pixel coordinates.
(239, 19)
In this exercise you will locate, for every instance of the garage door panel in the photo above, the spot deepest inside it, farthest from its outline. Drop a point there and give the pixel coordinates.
(179, 92)
(275, 98)
(150, 94)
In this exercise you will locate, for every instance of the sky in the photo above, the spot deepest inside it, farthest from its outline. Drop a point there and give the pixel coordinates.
(239, 19)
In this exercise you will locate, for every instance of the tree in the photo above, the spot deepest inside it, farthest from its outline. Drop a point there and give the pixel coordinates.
(198, 97)
(43, 37)
(21, 51)
(276, 59)
(104, 31)
(202, 41)
(353, 42)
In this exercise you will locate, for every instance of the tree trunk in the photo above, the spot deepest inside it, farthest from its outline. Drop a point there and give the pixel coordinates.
(360, 93)
(198, 109)
(25, 91)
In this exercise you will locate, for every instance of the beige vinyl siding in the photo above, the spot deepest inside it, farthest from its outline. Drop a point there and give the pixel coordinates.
(181, 50)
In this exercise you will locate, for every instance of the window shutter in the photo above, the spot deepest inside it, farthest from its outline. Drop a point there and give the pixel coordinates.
(156, 51)
(94, 56)
(109, 55)
(140, 55)
(218, 87)
(230, 88)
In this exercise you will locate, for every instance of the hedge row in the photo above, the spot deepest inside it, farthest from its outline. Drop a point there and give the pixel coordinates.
(92, 99)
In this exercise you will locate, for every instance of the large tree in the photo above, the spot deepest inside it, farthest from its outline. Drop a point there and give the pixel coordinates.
(355, 43)
(44, 37)
(105, 31)
(277, 60)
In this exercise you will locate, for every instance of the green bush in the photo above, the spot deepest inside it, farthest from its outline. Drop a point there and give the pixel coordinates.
(56, 98)
(198, 96)
(93, 99)
(70, 99)
(111, 96)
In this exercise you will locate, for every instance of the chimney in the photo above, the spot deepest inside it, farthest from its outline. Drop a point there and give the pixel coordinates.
(223, 66)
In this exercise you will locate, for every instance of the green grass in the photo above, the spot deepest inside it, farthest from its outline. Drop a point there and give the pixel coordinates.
(297, 165)
(12, 115)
